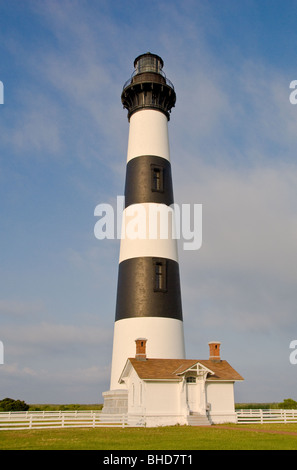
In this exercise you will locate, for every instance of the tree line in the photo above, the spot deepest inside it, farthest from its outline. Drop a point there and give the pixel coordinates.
(9, 404)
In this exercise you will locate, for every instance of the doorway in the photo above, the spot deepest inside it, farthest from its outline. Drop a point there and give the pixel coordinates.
(192, 391)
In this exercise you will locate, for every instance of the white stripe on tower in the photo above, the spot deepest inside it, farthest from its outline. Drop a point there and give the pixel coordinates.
(148, 134)
(148, 297)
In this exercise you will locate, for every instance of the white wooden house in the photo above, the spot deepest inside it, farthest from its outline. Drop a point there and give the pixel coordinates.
(179, 391)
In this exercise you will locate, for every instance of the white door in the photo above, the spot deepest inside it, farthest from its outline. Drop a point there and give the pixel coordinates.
(192, 397)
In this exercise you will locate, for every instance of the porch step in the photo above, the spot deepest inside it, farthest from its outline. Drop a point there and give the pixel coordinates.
(196, 419)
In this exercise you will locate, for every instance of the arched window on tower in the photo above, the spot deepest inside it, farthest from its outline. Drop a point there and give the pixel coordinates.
(157, 178)
(160, 278)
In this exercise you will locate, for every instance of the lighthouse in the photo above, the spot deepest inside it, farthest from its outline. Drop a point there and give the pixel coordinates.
(152, 383)
(148, 303)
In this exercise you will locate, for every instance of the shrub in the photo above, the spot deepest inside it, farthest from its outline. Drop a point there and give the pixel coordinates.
(8, 404)
(288, 404)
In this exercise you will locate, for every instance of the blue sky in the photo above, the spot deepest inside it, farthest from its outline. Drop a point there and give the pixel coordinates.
(63, 151)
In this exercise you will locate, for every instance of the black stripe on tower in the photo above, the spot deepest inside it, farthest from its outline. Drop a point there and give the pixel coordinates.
(148, 287)
(148, 179)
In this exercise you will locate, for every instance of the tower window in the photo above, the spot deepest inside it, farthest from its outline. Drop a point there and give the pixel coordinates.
(157, 178)
(160, 281)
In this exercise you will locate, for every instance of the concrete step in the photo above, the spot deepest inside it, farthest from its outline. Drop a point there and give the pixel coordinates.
(196, 419)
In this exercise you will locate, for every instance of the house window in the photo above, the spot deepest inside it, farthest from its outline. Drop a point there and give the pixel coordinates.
(157, 178)
(191, 380)
(160, 281)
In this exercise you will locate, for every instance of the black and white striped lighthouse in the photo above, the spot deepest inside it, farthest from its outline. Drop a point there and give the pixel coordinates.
(148, 295)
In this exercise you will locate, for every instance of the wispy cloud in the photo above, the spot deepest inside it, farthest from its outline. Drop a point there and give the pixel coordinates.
(246, 262)
(19, 308)
(233, 145)
(53, 337)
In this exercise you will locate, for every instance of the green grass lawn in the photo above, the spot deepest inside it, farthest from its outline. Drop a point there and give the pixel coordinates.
(165, 438)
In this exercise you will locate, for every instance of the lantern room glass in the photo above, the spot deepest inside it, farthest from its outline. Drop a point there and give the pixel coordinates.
(148, 63)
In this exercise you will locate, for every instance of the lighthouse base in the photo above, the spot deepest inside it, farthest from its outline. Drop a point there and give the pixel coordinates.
(115, 402)
(165, 339)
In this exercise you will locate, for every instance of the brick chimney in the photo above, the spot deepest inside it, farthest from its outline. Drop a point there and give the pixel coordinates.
(140, 349)
(214, 351)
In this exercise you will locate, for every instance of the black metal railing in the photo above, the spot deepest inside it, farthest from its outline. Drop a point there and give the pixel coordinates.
(129, 81)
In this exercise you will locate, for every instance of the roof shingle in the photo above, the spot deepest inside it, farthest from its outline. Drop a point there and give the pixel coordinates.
(172, 369)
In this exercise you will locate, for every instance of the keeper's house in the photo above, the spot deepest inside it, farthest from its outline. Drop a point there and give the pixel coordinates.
(179, 391)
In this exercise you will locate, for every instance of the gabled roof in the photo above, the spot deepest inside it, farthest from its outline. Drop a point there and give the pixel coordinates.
(221, 370)
(174, 369)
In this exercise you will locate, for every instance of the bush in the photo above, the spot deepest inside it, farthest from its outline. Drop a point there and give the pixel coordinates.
(288, 404)
(255, 406)
(8, 404)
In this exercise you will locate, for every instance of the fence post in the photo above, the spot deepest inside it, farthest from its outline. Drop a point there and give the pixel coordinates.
(261, 415)
(30, 422)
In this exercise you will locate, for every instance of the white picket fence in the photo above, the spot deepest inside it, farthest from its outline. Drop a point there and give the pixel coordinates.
(266, 416)
(64, 419)
(80, 418)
